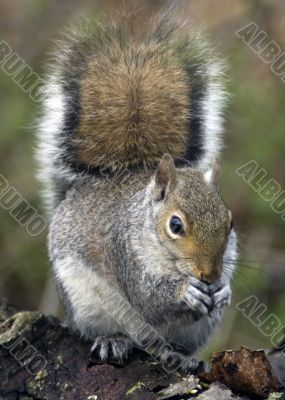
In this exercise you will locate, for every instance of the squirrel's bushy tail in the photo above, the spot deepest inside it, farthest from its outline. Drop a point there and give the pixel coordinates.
(120, 97)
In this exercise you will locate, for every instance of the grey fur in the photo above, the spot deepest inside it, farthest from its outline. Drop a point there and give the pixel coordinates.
(103, 241)
(115, 349)
(123, 277)
(58, 128)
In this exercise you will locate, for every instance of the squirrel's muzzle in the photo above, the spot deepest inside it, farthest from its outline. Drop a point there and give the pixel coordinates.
(207, 271)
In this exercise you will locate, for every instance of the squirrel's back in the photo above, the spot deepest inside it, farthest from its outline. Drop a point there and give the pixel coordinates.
(120, 97)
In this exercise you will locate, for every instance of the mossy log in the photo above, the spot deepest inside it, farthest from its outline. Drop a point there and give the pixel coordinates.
(41, 359)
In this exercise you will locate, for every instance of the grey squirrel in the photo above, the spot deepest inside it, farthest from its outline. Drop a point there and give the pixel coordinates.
(128, 148)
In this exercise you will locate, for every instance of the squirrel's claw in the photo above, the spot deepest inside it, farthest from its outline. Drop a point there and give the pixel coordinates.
(222, 297)
(193, 366)
(114, 350)
(197, 298)
(202, 298)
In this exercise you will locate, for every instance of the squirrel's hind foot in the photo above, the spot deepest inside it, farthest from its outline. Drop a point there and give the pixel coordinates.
(111, 350)
(193, 366)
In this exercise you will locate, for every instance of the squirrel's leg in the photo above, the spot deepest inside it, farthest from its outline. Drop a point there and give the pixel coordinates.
(167, 295)
(112, 350)
(182, 362)
(192, 366)
(199, 300)
(86, 294)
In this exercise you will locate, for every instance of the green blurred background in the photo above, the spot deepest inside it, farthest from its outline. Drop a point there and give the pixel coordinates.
(255, 130)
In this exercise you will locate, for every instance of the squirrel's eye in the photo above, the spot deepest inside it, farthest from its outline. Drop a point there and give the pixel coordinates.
(176, 226)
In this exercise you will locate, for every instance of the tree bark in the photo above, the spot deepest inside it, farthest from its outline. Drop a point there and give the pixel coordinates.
(41, 359)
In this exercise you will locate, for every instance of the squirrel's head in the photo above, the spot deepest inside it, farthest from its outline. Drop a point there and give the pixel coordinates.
(191, 220)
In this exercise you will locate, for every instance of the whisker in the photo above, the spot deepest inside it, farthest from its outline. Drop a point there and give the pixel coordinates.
(258, 261)
(225, 260)
(252, 268)
(239, 279)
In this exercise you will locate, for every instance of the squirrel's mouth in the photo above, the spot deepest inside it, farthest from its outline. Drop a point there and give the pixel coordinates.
(206, 274)
(203, 272)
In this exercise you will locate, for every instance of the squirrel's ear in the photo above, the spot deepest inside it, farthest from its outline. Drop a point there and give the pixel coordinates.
(165, 177)
(212, 176)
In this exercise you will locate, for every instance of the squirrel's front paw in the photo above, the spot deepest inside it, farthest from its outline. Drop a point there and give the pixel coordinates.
(197, 297)
(221, 294)
(111, 350)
